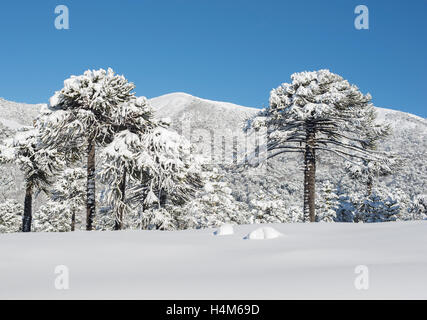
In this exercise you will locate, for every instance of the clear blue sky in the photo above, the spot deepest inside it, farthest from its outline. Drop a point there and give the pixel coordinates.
(230, 50)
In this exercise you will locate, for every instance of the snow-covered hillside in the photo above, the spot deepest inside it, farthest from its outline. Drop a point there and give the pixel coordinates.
(14, 115)
(310, 261)
(215, 128)
(210, 125)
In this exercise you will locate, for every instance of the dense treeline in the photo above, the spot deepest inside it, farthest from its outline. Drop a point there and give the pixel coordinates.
(100, 148)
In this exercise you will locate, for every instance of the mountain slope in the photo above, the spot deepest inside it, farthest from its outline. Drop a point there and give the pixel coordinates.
(14, 115)
(210, 125)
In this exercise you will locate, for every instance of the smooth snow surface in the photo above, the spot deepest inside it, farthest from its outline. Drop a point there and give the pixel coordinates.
(313, 261)
(263, 233)
(225, 230)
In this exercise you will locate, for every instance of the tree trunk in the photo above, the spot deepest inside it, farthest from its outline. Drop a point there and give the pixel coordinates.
(27, 217)
(162, 198)
(118, 224)
(73, 221)
(144, 207)
(90, 191)
(369, 185)
(310, 176)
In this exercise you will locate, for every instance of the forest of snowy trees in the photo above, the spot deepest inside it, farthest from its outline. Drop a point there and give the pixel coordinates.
(103, 161)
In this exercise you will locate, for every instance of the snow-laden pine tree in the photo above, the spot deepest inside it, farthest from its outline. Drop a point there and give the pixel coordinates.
(84, 113)
(367, 171)
(379, 206)
(273, 205)
(268, 210)
(274, 210)
(346, 209)
(155, 218)
(37, 162)
(327, 203)
(174, 172)
(264, 195)
(11, 216)
(160, 169)
(418, 207)
(122, 160)
(7, 182)
(212, 206)
(119, 165)
(53, 216)
(403, 199)
(319, 111)
(69, 191)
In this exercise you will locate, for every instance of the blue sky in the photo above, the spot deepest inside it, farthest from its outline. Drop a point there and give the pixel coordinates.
(229, 50)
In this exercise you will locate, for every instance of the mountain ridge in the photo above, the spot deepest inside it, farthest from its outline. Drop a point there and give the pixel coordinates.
(162, 101)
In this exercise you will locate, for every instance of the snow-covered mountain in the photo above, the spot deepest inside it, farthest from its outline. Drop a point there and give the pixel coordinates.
(215, 128)
(213, 115)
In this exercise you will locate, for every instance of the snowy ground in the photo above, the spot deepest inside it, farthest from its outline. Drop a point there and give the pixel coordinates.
(309, 261)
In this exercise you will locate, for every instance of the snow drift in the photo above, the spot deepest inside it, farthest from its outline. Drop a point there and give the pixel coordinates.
(264, 233)
(225, 230)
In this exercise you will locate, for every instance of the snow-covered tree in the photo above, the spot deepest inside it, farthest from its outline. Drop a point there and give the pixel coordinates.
(367, 171)
(418, 207)
(403, 199)
(37, 162)
(319, 111)
(69, 192)
(268, 210)
(155, 218)
(377, 207)
(53, 216)
(84, 113)
(212, 206)
(327, 202)
(7, 181)
(174, 172)
(274, 211)
(118, 167)
(346, 209)
(10, 216)
(270, 205)
(160, 168)
(122, 158)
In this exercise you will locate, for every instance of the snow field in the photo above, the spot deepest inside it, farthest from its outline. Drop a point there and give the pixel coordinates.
(313, 261)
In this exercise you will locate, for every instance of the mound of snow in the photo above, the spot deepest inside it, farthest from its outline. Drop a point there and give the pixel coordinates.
(264, 233)
(224, 230)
